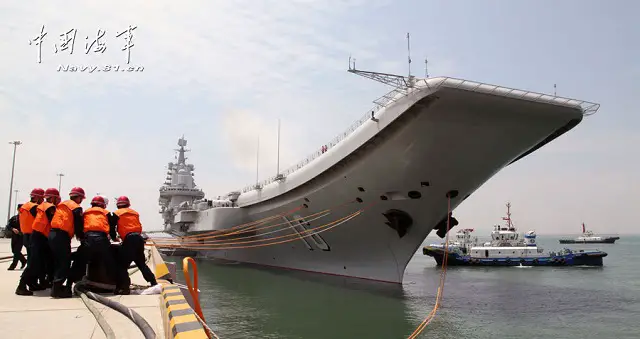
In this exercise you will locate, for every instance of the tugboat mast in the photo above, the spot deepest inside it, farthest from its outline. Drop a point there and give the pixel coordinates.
(510, 226)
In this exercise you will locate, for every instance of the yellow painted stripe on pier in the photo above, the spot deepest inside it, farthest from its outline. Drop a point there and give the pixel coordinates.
(182, 319)
(195, 334)
(174, 297)
(178, 307)
(162, 271)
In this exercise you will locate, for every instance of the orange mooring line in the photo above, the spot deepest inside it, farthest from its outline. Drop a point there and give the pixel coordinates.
(443, 275)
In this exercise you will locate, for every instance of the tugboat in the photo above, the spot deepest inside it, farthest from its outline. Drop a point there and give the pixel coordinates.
(587, 237)
(507, 248)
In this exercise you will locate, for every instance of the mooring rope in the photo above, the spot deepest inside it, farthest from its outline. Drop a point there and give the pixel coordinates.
(443, 275)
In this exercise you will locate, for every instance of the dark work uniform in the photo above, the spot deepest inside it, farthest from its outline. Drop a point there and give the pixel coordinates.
(60, 244)
(39, 260)
(26, 237)
(16, 243)
(99, 249)
(132, 249)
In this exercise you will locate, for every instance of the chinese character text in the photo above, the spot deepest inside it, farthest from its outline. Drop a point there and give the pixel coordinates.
(129, 41)
(100, 46)
(67, 41)
(38, 42)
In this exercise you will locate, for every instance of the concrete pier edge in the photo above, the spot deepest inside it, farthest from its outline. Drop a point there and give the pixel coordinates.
(180, 321)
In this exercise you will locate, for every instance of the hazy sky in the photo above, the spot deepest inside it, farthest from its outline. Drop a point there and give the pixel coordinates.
(222, 73)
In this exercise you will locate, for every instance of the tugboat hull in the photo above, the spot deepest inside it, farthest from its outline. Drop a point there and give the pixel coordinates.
(609, 240)
(580, 258)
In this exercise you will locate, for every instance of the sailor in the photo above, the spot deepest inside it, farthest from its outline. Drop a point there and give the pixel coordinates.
(129, 228)
(27, 213)
(13, 226)
(106, 200)
(67, 222)
(39, 261)
(98, 246)
(43, 269)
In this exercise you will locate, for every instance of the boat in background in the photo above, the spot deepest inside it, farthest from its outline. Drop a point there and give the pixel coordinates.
(587, 237)
(507, 248)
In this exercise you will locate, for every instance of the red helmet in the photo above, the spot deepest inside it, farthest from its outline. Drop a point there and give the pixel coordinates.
(123, 201)
(77, 192)
(98, 201)
(37, 193)
(51, 192)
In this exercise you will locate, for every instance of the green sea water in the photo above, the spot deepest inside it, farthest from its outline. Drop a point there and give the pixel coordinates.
(505, 302)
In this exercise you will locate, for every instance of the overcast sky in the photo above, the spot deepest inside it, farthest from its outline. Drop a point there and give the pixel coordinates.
(223, 72)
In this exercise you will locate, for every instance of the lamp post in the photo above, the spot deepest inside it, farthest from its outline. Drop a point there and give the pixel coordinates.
(16, 192)
(15, 144)
(60, 175)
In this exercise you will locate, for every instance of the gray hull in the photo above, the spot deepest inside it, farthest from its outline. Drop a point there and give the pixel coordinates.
(608, 240)
(420, 148)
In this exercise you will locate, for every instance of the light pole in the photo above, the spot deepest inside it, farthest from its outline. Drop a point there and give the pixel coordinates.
(16, 192)
(15, 144)
(60, 175)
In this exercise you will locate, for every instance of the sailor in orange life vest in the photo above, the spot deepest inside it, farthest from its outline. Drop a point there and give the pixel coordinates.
(129, 228)
(66, 223)
(98, 246)
(40, 262)
(26, 214)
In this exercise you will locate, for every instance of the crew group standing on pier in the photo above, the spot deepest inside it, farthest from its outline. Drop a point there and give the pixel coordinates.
(45, 225)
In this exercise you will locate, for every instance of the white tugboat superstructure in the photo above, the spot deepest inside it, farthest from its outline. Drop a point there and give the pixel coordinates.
(508, 248)
(423, 139)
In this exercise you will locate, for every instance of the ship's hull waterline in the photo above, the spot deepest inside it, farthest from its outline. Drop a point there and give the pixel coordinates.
(609, 240)
(422, 147)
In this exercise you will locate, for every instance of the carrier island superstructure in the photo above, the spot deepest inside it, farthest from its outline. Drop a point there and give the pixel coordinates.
(425, 138)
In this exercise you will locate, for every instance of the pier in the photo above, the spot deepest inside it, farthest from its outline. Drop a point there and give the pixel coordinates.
(40, 316)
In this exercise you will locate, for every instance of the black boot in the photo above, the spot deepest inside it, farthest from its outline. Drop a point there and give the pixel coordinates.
(45, 282)
(123, 290)
(59, 291)
(12, 266)
(22, 290)
(68, 288)
(36, 287)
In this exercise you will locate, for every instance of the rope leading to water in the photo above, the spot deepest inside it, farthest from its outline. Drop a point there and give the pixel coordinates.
(267, 241)
(251, 227)
(443, 275)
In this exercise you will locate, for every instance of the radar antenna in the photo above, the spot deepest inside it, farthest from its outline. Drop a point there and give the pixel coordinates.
(400, 82)
(257, 186)
(426, 69)
(278, 175)
(409, 53)
(182, 142)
